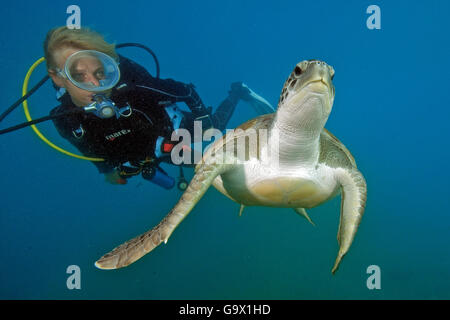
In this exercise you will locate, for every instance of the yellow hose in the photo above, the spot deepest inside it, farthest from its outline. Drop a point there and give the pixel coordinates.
(28, 116)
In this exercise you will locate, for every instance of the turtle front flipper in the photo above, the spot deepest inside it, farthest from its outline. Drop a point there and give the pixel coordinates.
(136, 248)
(353, 203)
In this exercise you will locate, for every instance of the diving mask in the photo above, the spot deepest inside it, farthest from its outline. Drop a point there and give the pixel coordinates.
(91, 70)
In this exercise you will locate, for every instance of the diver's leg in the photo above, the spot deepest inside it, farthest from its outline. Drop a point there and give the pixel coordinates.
(239, 91)
(224, 111)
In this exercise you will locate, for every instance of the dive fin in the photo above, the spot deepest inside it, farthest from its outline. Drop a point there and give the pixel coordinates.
(261, 105)
(258, 103)
(302, 212)
(353, 203)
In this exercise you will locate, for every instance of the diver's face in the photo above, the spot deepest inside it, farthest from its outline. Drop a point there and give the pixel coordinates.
(80, 97)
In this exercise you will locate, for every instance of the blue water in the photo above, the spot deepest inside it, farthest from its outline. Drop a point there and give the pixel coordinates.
(391, 110)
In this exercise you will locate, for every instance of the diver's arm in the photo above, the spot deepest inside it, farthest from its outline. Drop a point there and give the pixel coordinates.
(182, 92)
(114, 177)
(62, 126)
(103, 167)
(167, 89)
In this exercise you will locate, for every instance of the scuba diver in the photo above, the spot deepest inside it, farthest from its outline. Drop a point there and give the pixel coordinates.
(115, 110)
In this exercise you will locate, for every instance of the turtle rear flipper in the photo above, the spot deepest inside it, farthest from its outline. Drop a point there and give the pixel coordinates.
(302, 212)
(136, 248)
(353, 203)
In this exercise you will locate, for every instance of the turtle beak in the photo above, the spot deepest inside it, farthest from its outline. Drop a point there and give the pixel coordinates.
(318, 71)
(319, 78)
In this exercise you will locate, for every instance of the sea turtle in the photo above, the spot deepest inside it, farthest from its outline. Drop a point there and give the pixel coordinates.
(299, 164)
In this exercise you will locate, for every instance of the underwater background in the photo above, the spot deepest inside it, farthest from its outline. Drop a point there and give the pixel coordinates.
(391, 110)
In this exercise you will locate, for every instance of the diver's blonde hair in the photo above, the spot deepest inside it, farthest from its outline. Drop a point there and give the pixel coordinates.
(83, 39)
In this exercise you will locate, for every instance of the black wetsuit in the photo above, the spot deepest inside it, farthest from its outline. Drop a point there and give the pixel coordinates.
(133, 138)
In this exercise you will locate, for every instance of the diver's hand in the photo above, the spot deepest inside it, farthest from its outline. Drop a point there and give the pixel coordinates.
(113, 177)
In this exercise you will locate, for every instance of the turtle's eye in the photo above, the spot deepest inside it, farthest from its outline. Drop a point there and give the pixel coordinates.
(297, 71)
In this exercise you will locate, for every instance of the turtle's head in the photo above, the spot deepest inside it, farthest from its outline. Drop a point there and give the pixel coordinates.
(309, 86)
(303, 110)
